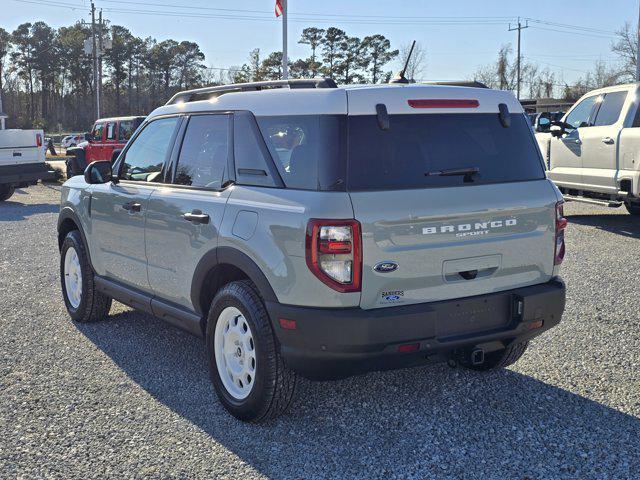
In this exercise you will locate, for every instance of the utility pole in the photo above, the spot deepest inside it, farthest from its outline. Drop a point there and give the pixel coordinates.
(638, 49)
(519, 28)
(95, 58)
(285, 60)
(100, 50)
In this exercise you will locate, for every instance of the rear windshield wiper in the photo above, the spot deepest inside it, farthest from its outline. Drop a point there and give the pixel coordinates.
(468, 173)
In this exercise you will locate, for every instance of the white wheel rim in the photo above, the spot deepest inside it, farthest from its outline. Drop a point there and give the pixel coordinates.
(235, 353)
(73, 277)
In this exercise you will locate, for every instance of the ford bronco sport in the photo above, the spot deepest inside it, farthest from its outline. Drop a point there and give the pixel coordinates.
(306, 229)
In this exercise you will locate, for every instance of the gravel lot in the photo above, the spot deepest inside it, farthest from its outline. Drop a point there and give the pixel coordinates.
(130, 397)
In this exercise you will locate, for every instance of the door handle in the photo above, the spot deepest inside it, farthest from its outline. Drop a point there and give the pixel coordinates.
(196, 216)
(132, 207)
(607, 140)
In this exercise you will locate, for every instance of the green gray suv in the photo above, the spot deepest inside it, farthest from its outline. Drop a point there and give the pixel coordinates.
(305, 229)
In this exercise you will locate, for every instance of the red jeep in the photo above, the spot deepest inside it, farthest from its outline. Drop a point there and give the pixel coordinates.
(106, 140)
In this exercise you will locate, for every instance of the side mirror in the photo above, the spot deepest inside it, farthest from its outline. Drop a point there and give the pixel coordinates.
(556, 131)
(87, 136)
(98, 172)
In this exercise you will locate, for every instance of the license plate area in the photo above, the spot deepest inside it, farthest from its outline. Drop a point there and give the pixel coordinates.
(473, 315)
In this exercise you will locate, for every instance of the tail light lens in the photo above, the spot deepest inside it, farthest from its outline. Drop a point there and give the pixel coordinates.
(561, 225)
(333, 251)
(38, 140)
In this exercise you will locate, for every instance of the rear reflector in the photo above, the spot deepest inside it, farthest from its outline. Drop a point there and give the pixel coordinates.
(409, 347)
(38, 140)
(444, 103)
(287, 324)
(536, 324)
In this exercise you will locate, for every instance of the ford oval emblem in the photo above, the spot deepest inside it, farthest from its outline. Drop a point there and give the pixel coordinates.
(385, 267)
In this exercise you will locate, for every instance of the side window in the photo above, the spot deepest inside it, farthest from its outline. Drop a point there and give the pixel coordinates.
(125, 130)
(111, 131)
(250, 153)
(610, 109)
(580, 116)
(96, 134)
(144, 159)
(205, 152)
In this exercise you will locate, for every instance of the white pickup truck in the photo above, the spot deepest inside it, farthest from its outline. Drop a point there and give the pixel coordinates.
(593, 153)
(22, 160)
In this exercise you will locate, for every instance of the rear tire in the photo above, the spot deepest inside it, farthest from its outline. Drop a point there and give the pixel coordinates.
(84, 303)
(247, 371)
(6, 191)
(502, 358)
(633, 208)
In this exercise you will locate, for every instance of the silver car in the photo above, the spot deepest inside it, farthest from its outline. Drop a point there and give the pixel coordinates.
(303, 229)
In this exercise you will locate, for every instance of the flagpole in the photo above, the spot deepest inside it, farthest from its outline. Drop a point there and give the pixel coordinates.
(285, 62)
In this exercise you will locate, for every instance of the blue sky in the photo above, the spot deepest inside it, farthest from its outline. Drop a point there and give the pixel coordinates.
(455, 48)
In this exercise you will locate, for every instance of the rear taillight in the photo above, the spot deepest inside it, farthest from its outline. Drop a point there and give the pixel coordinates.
(38, 140)
(333, 251)
(561, 225)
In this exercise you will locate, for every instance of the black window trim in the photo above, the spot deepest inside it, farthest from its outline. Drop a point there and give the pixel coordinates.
(121, 158)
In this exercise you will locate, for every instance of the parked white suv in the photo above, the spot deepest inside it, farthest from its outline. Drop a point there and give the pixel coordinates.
(593, 153)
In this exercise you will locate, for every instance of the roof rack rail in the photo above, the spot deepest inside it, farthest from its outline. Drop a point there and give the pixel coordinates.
(207, 93)
(460, 83)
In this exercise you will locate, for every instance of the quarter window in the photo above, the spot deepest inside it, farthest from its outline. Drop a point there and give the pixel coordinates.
(250, 153)
(144, 160)
(610, 109)
(205, 152)
(580, 116)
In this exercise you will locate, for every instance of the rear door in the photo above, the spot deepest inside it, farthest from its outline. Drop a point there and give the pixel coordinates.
(599, 144)
(450, 236)
(185, 214)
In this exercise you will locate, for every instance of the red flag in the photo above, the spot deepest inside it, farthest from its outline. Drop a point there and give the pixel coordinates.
(279, 8)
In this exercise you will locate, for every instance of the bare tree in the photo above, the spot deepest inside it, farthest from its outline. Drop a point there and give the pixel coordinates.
(626, 48)
(418, 62)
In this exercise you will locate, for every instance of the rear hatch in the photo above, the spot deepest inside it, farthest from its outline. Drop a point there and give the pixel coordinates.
(452, 202)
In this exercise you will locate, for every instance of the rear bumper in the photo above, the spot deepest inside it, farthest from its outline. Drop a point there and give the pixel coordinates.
(330, 343)
(25, 173)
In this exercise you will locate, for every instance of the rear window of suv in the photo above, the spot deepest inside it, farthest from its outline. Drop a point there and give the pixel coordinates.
(320, 152)
(416, 147)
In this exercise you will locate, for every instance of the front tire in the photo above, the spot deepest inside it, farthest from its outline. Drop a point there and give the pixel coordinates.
(6, 191)
(248, 374)
(502, 358)
(633, 208)
(84, 303)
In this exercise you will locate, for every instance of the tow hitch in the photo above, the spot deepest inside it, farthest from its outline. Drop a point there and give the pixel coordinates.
(473, 357)
(477, 356)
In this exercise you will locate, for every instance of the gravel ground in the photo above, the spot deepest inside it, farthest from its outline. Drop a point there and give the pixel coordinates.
(130, 397)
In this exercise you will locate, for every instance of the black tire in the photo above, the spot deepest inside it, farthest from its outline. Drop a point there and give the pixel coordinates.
(501, 358)
(274, 383)
(6, 191)
(93, 306)
(633, 208)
